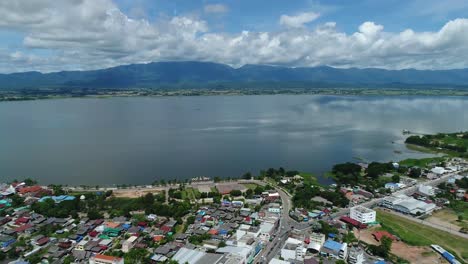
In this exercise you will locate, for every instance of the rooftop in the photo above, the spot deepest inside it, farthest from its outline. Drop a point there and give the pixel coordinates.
(333, 245)
(362, 209)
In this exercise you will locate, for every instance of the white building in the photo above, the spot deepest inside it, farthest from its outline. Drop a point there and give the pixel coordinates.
(362, 214)
(438, 170)
(104, 259)
(356, 256)
(293, 249)
(128, 244)
(426, 190)
(266, 230)
(408, 205)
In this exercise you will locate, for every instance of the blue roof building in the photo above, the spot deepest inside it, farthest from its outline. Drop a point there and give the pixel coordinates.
(334, 249)
(58, 199)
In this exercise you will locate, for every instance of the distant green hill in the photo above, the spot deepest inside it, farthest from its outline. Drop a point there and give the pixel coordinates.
(206, 74)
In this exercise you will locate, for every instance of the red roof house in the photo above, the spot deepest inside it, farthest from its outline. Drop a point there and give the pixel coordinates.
(22, 220)
(158, 238)
(22, 228)
(166, 228)
(213, 232)
(379, 234)
(31, 189)
(42, 241)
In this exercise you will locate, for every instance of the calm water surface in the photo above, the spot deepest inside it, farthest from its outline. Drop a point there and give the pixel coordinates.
(137, 140)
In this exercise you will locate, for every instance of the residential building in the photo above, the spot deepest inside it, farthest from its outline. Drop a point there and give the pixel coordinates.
(362, 214)
(104, 259)
(426, 190)
(293, 249)
(129, 244)
(356, 256)
(334, 249)
(392, 186)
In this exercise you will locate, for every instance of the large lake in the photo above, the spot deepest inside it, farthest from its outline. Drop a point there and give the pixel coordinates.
(137, 140)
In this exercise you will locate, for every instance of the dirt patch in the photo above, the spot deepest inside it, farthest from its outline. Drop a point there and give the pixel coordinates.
(413, 254)
(365, 235)
(133, 193)
(447, 218)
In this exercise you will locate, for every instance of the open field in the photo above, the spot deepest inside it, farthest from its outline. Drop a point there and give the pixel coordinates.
(420, 235)
(251, 186)
(133, 193)
(449, 217)
(192, 194)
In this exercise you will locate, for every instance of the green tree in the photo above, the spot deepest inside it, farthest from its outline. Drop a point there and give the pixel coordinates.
(94, 214)
(136, 255)
(415, 172)
(396, 178)
(386, 246)
(235, 193)
(190, 220)
(247, 176)
(30, 182)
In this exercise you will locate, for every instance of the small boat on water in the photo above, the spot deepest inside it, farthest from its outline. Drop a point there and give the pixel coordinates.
(406, 131)
(397, 151)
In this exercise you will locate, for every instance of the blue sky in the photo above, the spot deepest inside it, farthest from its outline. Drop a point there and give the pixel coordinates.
(46, 35)
(396, 15)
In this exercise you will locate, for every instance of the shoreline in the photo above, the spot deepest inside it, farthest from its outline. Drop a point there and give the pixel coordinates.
(15, 96)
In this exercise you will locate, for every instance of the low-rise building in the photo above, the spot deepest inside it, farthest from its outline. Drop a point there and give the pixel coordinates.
(426, 190)
(129, 244)
(362, 214)
(334, 249)
(104, 259)
(293, 250)
(356, 256)
(407, 205)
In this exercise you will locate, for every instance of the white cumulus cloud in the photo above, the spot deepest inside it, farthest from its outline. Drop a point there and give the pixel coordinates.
(298, 20)
(216, 8)
(93, 34)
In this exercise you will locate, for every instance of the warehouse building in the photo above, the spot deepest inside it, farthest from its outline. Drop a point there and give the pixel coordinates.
(408, 205)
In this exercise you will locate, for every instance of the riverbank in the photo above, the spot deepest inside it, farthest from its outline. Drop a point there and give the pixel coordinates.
(27, 95)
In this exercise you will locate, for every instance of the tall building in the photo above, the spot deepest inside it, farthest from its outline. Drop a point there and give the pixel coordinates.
(362, 214)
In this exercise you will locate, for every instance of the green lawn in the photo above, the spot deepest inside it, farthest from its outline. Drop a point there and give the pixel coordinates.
(309, 178)
(251, 186)
(192, 194)
(417, 234)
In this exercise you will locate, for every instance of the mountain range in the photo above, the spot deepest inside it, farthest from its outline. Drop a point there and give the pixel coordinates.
(207, 74)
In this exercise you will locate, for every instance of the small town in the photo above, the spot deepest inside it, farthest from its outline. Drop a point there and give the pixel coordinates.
(407, 212)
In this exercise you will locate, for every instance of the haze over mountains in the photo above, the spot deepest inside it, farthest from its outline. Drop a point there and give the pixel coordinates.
(202, 74)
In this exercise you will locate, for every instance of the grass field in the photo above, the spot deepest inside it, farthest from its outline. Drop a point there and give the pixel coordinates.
(309, 178)
(192, 194)
(421, 162)
(449, 216)
(421, 235)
